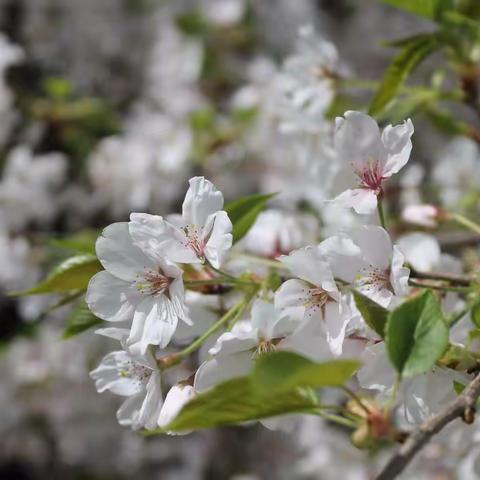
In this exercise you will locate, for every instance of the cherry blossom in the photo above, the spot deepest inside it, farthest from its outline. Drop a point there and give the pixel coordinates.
(138, 286)
(136, 377)
(374, 156)
(201, 234)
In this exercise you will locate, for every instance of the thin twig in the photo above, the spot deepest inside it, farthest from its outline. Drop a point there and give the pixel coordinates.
(463, 280)
(462, 407)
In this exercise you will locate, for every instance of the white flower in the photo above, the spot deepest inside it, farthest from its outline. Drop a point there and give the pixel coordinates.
(176, 398)
(278, 232)
(457, 171)
(139, 286)
(201, 233)
(136, 377)
(421, 396)
(224, 13)
(421, 250)
(367, 259)
(374, 157)
(423, 215)
(315, 294)
(307, 81)
(234, 352)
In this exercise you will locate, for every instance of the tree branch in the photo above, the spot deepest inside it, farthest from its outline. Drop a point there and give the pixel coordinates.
(462, 407)
(463, 280)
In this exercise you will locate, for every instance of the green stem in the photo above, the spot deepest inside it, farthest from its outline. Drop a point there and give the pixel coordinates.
(221, 272)
(336, 418)
(464, 221)
(381, 214)
(261, 261)
(195, 345)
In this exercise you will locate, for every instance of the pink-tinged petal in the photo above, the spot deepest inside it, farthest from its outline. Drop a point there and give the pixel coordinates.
(118, 254)
(217, 370)
(175, 246)
(398, 144)
(362, 200)
(218, 229)
(112, 299)
(202, 199)
(375, 244)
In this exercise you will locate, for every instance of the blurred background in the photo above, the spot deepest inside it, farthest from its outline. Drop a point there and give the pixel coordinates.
(108, 107)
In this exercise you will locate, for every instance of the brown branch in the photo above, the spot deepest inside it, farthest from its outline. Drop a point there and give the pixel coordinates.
(462, 407)
(463, 280)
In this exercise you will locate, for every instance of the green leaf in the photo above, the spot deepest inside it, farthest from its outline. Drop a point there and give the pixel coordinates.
(411, 55)
(476, 315)
(80, 320)
(83, 242)
(244, 212)
(74, 273)
(416, 335)
(282, 371)
(432, 9)
(235, 401)
(375, 315)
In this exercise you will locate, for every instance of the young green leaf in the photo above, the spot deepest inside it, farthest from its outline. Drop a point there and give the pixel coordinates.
(74, 273)
(83, 242)
(80, 320)
(432, 9)
(282, 371)
(411, 55)
(238, 400)
(375, 315)
(244, 212)
(416, 335)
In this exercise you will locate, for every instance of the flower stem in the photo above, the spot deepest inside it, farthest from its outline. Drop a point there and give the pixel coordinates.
(221, 272)
(218, 281)
(177, 357)
(336, 418)
(466, 222)
(381, 214)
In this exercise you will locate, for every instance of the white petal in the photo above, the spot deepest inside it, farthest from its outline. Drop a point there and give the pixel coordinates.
(120, 334)
(146, 230)
(220, 240)
(343, 256)
(127, 414)
(230, 343)
(375, 244)
(337, 316)
(399, 274)
(362, 200)
(421, 250)
(154, 323)
(202, 199)
(118, 254)
(112, 299)
(291, 297)
(220, 369)
(397, 141)
(108, 375)
(150, 410)
(308, 264)
(176, 398)
(357, 139)
(376, 372)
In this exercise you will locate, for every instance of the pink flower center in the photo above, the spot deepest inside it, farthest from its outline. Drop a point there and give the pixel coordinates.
(374, 280)
(317, 300)
(370, 176)
(154, 283)
(194, 241)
